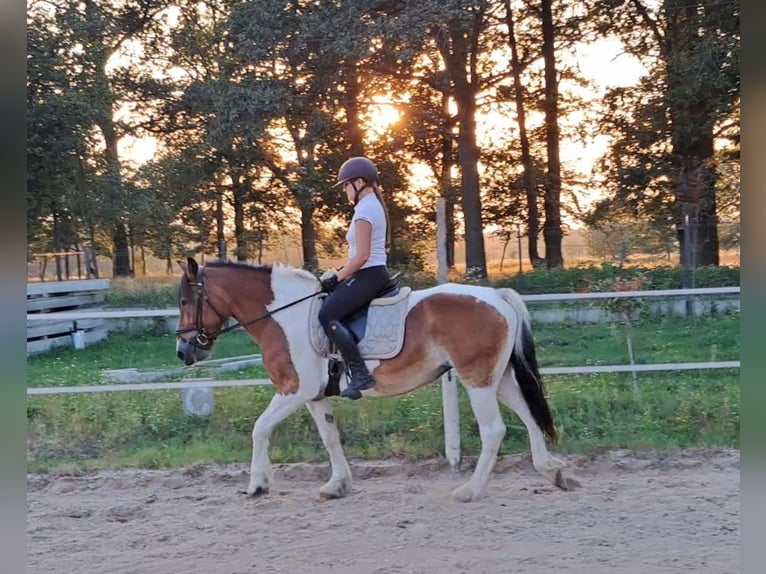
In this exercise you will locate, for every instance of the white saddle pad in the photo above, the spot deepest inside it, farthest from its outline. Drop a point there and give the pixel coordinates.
(384, 335)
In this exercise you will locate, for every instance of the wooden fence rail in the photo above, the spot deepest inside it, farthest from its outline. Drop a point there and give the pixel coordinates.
(45, 303)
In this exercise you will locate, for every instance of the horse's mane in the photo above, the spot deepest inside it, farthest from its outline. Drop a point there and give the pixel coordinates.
(295, 271)
(237, 265)
(277, 268)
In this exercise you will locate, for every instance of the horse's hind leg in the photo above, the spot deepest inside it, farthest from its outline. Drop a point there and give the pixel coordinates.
(492, 430)
(280, 407)
(544, 462)
(339, 484)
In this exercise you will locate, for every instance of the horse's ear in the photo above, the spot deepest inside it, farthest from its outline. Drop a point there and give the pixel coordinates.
(190, 268)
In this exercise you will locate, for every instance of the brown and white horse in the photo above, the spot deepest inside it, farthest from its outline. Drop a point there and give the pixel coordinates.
(481, 332)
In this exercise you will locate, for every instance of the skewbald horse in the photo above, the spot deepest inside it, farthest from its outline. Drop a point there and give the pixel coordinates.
(482, 333)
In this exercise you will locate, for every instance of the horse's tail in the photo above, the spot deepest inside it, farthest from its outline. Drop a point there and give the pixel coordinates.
(524, 363)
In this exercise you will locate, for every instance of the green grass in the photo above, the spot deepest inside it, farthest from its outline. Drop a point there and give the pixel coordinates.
(658, 340)
(149, 429)
(65, 366)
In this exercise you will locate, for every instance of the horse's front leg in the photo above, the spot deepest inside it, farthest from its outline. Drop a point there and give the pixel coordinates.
(280, 407)
(339, 484)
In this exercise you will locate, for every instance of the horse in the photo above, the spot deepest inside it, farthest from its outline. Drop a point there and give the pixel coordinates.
(481, 332)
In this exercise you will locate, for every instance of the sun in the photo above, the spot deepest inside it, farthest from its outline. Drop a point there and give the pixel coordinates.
(137, 150)
(382, 113)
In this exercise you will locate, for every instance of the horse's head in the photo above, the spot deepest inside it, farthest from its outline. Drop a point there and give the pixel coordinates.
(199, 322)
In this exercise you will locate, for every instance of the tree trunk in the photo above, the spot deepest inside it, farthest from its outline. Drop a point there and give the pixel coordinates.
(528, 176)
(238, 203)
(93, 262)
(132, 245)
(220, 237)
(698, 227)
(56, 238)
(447, 185)
(114, 199)
(692, 138)
(709, 247)
(354, 133)
(468, 156)
(308, 233)
(552, 228)
(121, 253)
(121, 256)
(461, 66)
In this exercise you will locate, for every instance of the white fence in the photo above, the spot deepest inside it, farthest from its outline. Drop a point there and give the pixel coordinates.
(529, 299)
(45, 300)
(452, 441)
(210, 383)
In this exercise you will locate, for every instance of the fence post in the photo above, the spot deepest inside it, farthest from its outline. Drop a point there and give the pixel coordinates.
(450, 407)
(689, 247)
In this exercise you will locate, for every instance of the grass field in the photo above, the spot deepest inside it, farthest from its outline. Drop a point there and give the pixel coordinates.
(666, 410)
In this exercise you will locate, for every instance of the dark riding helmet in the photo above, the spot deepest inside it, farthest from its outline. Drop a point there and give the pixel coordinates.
(357, 167)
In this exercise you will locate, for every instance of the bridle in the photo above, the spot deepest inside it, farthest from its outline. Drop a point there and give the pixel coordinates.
(204, 338)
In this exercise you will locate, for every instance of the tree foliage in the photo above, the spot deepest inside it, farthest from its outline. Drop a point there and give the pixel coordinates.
(663, 165)
(253, 106)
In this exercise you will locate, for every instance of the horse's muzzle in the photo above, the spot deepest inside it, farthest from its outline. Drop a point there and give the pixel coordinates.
(190, 353)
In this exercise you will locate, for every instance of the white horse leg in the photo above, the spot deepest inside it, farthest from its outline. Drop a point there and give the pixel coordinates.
(339, 484)
(280, 407)
(544, 462)
(492, 430)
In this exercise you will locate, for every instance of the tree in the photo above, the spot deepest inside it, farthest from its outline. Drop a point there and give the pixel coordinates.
(552, 226)
(295, 74)
(90, 35)
(458, 42)
(529, 177)
(663, 163)
(59, 172)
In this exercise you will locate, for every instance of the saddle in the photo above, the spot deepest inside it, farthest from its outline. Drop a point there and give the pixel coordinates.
(378, 327)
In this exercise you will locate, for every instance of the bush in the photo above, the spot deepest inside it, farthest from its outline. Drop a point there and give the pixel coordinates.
(144, 294)
(588, 278)
(160, 295)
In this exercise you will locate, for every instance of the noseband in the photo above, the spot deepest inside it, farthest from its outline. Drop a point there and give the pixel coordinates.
(204, 338)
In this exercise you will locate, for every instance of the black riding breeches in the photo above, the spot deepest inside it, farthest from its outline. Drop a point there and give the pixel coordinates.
(353, 293)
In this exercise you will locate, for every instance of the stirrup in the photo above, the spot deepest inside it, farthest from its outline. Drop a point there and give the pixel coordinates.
(353, 391)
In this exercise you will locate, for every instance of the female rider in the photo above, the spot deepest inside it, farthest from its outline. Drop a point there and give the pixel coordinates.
(365, 271)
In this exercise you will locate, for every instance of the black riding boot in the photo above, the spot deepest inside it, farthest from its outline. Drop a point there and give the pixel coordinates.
(361, 378)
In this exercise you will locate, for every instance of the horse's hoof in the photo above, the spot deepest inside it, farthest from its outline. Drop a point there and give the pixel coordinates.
(257, 490)
(466, 493)
(330, 494)
(335, 489)
(565, 482)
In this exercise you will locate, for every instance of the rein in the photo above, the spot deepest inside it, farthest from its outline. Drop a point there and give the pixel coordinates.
(204, 338)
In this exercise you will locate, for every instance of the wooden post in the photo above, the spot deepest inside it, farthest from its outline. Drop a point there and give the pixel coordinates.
(450, 406)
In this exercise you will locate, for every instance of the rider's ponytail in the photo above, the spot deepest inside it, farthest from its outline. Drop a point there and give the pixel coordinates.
(379, 195)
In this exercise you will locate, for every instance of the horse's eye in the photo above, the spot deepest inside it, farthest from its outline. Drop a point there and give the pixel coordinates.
(183, 302)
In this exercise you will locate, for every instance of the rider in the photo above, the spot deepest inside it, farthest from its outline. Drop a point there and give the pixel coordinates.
(365, 272)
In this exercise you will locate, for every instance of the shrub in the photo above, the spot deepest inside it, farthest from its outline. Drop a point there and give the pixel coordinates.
(589, 277)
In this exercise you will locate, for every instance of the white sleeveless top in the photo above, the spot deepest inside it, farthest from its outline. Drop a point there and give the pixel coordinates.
(369, 209)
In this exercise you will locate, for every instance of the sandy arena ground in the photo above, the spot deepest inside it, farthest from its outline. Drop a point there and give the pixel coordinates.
(642, 513)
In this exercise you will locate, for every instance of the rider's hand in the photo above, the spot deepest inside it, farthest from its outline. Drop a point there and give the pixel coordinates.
(329, 280)
(327, 274)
